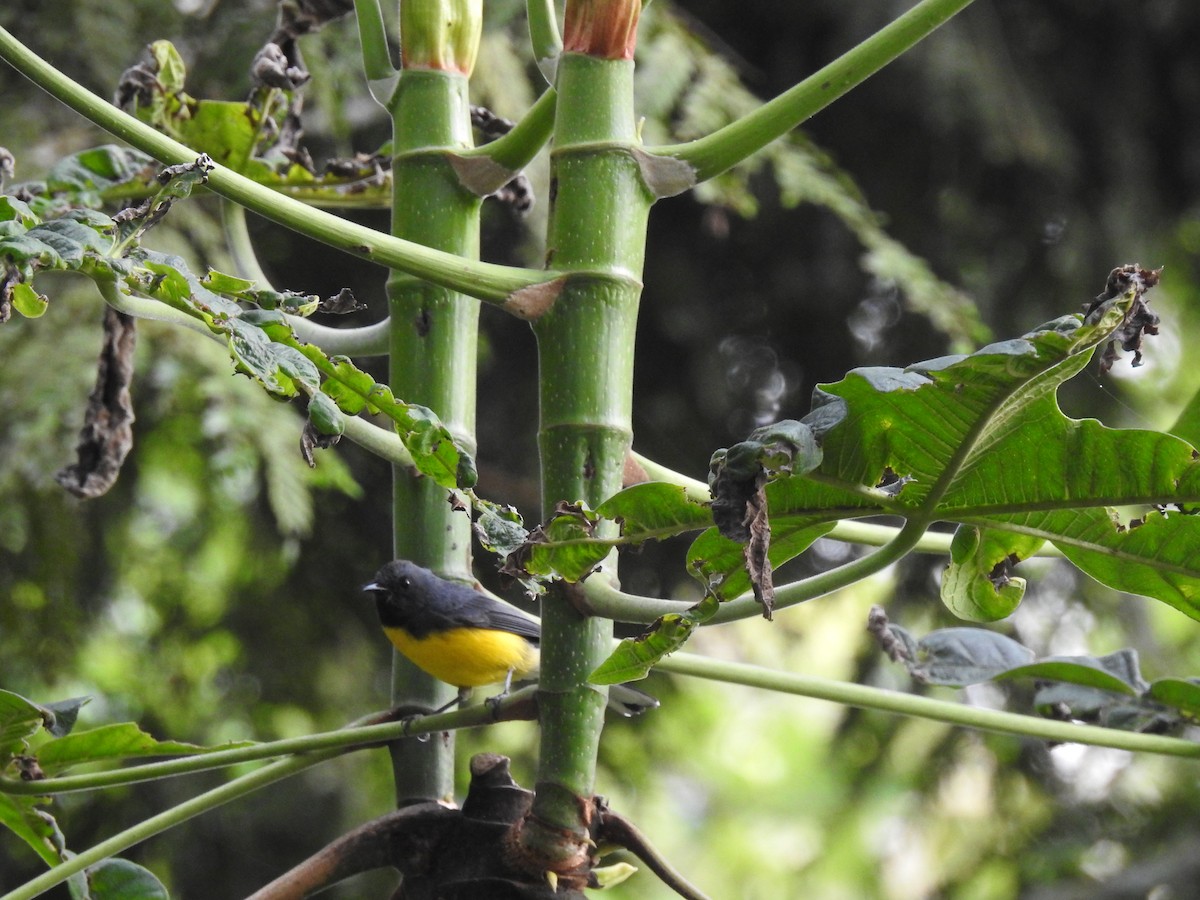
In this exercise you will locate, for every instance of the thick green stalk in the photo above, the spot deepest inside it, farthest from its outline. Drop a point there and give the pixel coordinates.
(585, 347)
(434, 332)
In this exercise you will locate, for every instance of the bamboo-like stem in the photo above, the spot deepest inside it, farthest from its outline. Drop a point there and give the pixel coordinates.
(585, 347)
(433, 342)
(712, 154)
(486, 281)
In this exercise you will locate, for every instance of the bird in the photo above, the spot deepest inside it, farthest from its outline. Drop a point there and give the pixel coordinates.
(464, 637)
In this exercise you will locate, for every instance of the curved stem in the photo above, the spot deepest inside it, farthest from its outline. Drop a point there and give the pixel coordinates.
(606, 600)
(365, 340)
(865, 697)
(241, 248)
(239, 787)
(357, 736)
(544, 36)
(377, 58)
(486, 281)
(514, 150)
(713, 154)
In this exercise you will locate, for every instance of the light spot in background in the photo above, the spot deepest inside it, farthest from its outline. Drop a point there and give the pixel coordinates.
(757, 382)
(1089, 772)
(875, 315)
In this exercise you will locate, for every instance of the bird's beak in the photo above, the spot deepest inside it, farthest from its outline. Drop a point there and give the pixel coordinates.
(373, 586)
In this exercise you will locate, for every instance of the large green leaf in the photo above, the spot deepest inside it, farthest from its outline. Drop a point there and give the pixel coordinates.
(981, 440)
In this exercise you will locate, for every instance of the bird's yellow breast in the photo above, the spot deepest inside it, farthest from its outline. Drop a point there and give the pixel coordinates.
(467, 657)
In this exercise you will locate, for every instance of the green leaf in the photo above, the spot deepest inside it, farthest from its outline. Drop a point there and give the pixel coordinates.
(118, 879)
(499, 527)
(19, 719)
(962, 656)
(980, 440)
(1181, 693)
(634, 657)
(84, 175)
(27, 301)
(16, 211)
(170, 69)
(110, 743)
(325, 416)
(719, 563)
(1085, 671)
(37, 828)
(977, 584)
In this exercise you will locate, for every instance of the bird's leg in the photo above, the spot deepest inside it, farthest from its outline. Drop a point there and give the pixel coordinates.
(494, 702)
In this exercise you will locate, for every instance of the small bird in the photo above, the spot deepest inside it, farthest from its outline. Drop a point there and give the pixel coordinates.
(464, 637)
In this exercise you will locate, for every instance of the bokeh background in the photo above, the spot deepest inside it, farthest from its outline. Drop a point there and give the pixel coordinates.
(985, 183)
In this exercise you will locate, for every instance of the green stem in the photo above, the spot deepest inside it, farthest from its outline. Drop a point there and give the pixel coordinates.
(433, 339)
(350, 738)
(514, 150)
(383, 442)
(235, 789)
(377, 58)
(713, 154)
(241, 248)
(487, 281)
(585, 353)
(544, 36)
(865, 697)
(606, 600)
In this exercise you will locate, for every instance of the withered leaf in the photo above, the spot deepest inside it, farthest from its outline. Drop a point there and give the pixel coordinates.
(107, 434)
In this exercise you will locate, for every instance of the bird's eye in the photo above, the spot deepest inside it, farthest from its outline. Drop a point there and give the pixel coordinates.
(405, 583)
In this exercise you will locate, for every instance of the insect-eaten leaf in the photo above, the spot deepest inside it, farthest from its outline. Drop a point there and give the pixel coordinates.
(572, 542)
(978, 583)
(635, 657)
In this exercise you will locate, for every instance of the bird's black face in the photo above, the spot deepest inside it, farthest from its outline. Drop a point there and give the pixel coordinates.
(400, 589)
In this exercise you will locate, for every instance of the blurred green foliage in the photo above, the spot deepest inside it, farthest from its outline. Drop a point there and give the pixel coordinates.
(212, 595)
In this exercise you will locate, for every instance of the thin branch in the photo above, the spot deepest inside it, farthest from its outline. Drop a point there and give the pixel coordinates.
(544, 36)
(609, 602)
(382, 729)
(382, 76)
(713, 154)
(865, 697)
(209, 800)
(486, 281)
